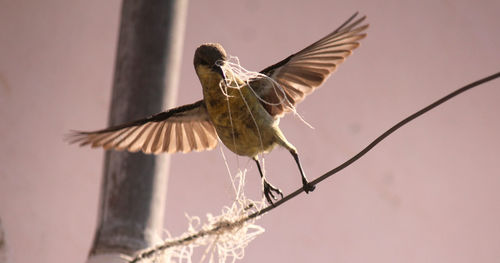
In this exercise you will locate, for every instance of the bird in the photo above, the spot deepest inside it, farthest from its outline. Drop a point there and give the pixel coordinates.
(243, 112)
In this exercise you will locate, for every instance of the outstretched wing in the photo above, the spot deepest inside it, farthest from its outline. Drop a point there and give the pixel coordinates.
(304, 71)
(183, 129)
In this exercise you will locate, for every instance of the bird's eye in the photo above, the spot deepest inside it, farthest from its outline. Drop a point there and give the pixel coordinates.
(219, 63)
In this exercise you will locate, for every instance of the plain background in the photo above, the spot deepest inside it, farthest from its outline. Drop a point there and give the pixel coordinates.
(429, 193)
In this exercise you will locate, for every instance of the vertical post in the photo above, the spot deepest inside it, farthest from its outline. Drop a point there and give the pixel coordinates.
(3, 245)
(146, 76)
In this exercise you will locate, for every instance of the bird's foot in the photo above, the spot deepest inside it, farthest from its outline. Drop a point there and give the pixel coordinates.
(271, 193)
(308, 187)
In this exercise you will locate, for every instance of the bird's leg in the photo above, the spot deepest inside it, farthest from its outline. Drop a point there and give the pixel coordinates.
(306, 185)
(269, 190)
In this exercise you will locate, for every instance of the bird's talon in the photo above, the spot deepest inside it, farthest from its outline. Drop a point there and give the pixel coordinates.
(308, 187)
(271, 192)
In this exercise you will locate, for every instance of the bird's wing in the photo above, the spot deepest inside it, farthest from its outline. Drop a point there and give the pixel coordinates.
(304, 71)
(183, 129)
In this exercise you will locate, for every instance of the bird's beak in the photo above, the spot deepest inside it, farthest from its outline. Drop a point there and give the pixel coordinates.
(218, 68)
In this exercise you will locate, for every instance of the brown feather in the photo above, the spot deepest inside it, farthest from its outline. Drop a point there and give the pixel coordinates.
(303, 72)
(169, 131)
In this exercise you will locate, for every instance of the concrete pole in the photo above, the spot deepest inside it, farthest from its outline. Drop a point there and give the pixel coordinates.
(3, 245)
(146, 76)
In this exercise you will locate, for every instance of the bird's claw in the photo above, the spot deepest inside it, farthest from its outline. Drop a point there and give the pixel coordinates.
(308, 187)
(271, 192)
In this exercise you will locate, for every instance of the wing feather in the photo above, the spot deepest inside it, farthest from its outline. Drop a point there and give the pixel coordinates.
(301, 73)
(175, 130)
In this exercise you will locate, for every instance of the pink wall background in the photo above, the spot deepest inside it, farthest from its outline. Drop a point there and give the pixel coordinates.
(427, 194)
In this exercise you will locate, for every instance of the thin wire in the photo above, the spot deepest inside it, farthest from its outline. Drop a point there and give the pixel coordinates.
(375, 142)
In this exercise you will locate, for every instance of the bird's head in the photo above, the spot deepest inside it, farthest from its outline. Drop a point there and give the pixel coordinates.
(210, 56)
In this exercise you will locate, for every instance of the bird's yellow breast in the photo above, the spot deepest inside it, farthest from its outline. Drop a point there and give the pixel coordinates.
(242, 123)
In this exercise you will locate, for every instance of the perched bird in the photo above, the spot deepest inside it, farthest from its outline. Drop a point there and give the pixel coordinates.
(242, 111)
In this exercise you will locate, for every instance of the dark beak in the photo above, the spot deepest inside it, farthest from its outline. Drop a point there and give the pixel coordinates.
(219, 70)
